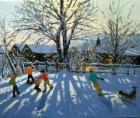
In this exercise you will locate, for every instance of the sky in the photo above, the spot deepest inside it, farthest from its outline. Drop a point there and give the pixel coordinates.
(7, 7)
(133, 4)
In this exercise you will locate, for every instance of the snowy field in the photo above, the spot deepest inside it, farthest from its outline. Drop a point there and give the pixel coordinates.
(72, 97)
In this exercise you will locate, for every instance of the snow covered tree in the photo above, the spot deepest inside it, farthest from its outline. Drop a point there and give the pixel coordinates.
(119, 31)
(57, 20)
(4, 35)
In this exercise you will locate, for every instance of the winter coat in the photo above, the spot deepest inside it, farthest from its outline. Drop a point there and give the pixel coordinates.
(93, 77)
(43, 76)
(29, 70)
(13, 80)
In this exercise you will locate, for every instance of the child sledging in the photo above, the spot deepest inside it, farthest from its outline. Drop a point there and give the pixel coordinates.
(128, 96)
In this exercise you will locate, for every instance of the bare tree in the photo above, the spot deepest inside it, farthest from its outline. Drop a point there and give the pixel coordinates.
(4, 35)
(119, 31)
(57, 20)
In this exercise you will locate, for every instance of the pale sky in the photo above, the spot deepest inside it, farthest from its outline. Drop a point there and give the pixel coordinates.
(133, 4)
(9, 0)
(7, 7)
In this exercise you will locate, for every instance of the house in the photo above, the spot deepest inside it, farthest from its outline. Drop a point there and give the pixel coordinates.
(40, 52)
(131, 55)
(17, 49)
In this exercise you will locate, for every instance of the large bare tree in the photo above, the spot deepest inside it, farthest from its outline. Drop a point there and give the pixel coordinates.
(57, 20)
(119, 31)
(4, 36)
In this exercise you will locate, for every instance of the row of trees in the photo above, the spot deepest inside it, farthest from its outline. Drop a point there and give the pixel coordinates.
(66, 20)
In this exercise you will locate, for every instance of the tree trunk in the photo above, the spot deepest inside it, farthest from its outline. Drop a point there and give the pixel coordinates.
(114, 61)
(59, 50)
(59, 53)
(10, 63)
(66, 49)
(2, 70)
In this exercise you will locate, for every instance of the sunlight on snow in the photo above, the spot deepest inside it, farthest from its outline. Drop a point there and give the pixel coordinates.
(58, 97)
(38, 97)
(72, 92)
(56, 75)
(64, 75)
(33, 93)
(113, 98)
(26, 91)
(67, 89)
(120, 81)
(62, 85)
(5, 100)
(78, 84)
(127, 80)
(59, 112)
(10, 106)
(124, 81)
(22, 82)
(75, 77)
(52, 75)
(82, 78)
(23, 102)
(5, 89)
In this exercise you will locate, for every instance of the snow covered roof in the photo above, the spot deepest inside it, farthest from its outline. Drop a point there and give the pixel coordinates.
(103, 48)
(133, 52)
(43, 48)
(20, 46)
(130, 52)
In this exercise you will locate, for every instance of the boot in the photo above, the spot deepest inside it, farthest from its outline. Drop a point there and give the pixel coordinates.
(14, 91)
(14, 96)
(37, 88)
(51, 87)
(44, 90)
(27, 82)
(17, 90)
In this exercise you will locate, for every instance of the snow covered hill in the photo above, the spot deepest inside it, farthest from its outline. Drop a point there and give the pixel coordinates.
(72, 97)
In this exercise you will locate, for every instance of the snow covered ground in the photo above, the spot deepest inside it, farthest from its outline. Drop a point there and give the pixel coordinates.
(72, 97)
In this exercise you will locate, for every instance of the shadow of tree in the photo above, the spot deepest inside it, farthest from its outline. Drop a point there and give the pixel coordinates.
(69, 100)
(71, 97)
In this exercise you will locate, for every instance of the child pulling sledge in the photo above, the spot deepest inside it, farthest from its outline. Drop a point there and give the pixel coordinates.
(94, 78)
(43, 76)
(12, 82)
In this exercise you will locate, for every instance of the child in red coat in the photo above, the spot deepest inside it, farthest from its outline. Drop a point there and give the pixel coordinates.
(43, 76)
